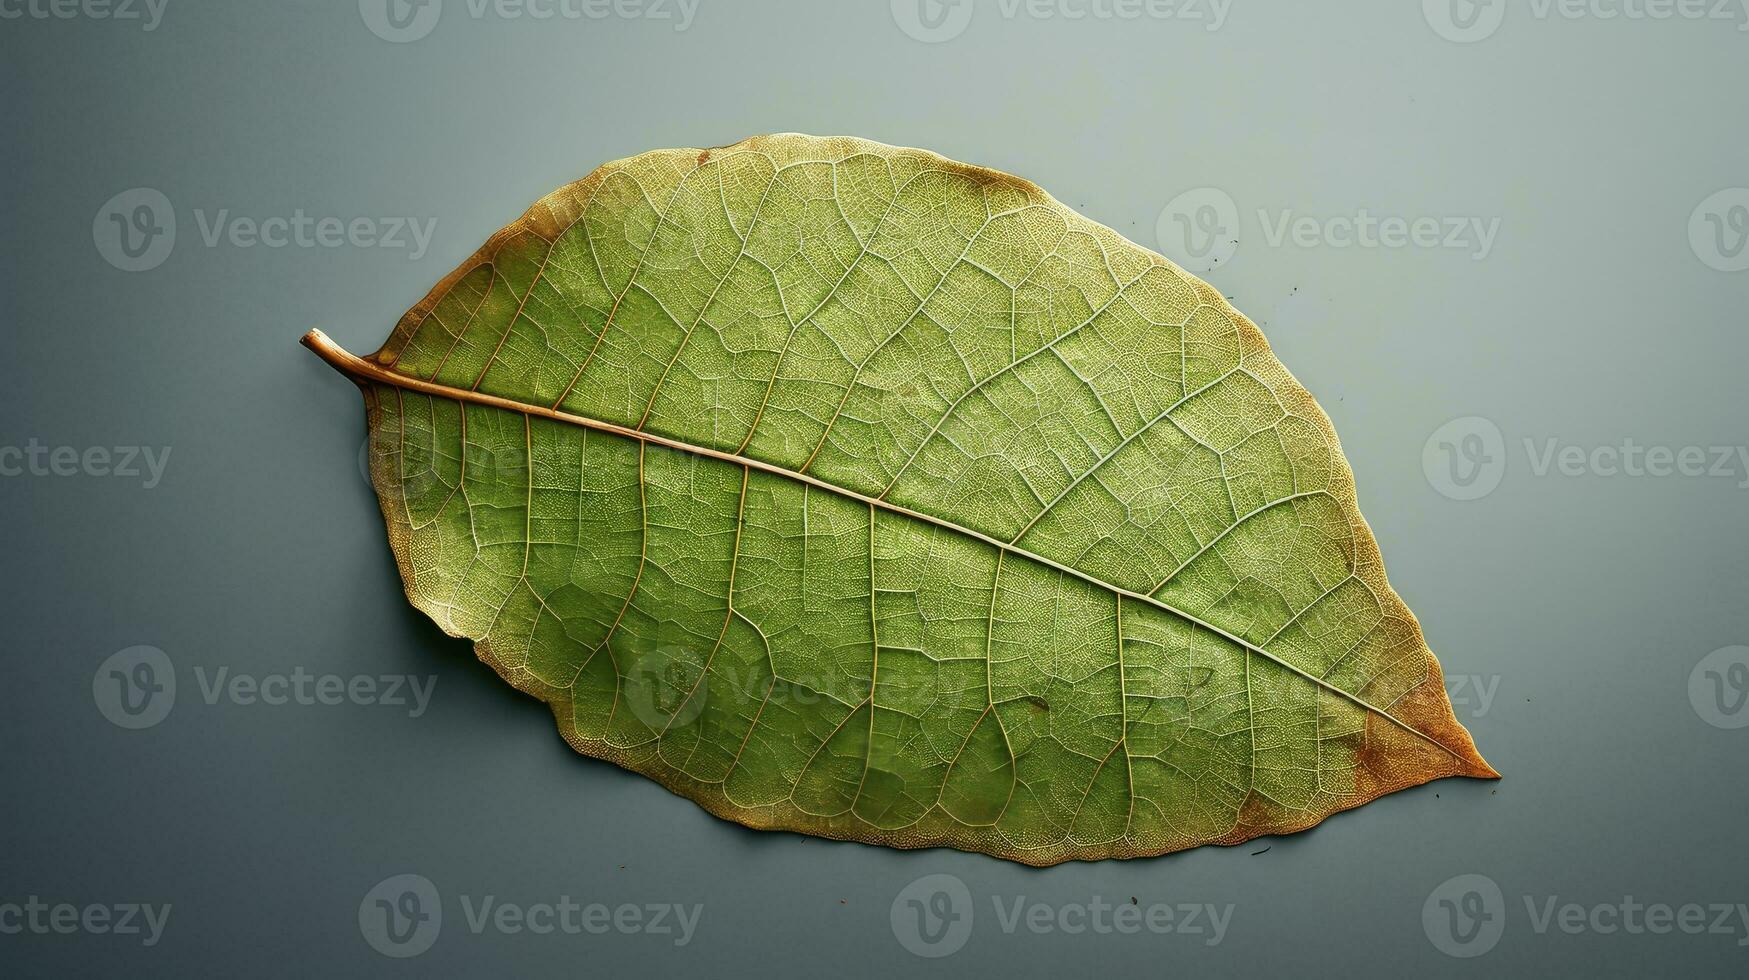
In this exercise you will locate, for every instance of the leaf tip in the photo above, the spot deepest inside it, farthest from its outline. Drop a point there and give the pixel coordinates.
(1470, 761)
(1480, 769)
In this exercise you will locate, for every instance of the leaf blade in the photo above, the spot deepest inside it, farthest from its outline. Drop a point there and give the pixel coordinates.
(897, 799)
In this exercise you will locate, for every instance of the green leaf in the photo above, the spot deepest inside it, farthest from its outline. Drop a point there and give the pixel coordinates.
(850, 490)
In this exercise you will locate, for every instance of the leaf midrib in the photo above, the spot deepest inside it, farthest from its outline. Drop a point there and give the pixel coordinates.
(362, 371)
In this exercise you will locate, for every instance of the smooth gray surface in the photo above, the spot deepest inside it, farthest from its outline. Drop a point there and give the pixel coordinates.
(1584, 601)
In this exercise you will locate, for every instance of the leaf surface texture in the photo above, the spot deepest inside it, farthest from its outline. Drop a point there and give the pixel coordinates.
(850, 490)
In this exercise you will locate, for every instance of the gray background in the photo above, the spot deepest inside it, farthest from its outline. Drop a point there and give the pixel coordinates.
(1586, 600)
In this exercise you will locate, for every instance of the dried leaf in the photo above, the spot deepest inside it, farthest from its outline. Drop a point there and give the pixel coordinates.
(850, 490)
